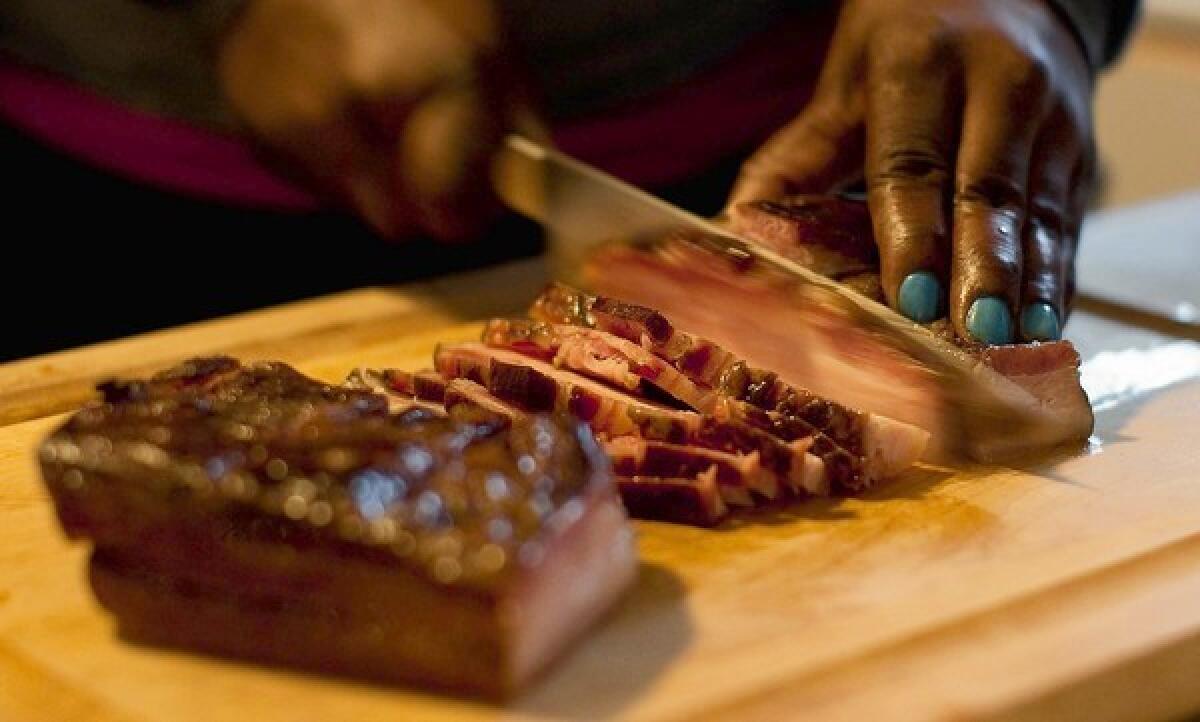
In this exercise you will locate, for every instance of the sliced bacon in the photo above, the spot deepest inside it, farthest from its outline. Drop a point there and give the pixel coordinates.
(399, 399)
(698, 359)
(761, 318)
(670, 482)
(737, 474)
(695, 500)
(602, 356)
(859, 448)
(463, 394)
(538, 386)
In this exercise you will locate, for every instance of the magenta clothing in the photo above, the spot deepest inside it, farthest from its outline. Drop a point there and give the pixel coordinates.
(659, 140)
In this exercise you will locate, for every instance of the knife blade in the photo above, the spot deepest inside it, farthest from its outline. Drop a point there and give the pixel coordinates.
(584, 208)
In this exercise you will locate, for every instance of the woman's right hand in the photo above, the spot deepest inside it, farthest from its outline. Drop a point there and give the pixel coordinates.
(392, 107)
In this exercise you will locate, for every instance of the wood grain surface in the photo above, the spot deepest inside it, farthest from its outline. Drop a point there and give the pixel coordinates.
(1066, 589)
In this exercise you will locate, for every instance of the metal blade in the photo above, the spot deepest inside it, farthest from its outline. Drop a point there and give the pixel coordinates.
(584, 208)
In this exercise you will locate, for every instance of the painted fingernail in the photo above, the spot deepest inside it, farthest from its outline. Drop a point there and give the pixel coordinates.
(989, 321)
(1039, 322)
(920, 296)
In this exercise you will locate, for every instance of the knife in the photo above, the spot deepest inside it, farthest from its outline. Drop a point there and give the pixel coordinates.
(584, 208)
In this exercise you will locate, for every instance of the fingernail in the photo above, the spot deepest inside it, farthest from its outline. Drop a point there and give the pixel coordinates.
(989, 321)
(920, 296)
(1039, 322)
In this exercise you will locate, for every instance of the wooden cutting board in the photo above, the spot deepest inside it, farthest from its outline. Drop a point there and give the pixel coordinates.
(1067, 589)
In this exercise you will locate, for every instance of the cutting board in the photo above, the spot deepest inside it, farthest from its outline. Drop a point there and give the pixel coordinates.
(1068, 588)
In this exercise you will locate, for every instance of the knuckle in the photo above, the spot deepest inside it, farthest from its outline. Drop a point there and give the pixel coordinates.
(1047, 214)
(1042, 287)
(918, 161)
(995, 191)
(1043, 250)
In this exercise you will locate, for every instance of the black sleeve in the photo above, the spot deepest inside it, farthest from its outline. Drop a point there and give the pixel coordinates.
(1102, 26)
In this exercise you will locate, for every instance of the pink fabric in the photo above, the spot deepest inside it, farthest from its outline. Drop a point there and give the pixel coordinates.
(157, 151)
(657, 140)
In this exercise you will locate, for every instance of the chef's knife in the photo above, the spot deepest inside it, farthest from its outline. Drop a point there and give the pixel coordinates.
(584, 208)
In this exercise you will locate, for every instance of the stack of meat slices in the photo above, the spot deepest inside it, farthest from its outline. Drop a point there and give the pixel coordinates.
(691, 430)
(761, 317)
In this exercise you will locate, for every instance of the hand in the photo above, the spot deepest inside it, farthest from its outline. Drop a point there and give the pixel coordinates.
(392, 107)
(970, 122)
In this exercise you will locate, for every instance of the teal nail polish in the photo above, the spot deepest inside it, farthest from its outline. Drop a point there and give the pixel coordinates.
(1039, 322)
(920, 296)
(989, 321)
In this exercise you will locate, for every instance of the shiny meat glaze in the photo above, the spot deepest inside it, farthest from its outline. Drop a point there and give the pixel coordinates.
(280, 457)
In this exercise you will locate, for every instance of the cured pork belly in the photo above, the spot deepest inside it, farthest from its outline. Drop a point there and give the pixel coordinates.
(251, 511)
(693, 500)
(828, 234)
(538, 386)
(397, 387)
(858, 448)
(736, 475)
(756, 316)
(657, 480)
(602, 356)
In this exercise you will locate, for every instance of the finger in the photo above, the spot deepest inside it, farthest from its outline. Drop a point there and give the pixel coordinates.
(1044, 266)
(816, 153)
(1003, 113)
(910, 133)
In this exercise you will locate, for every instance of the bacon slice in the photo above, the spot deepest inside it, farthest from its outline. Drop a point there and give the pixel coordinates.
(396, 386)
(695, 501)
(463, 394)
(828, 234)
(736, 475)
(602, 356)
(538, 386)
